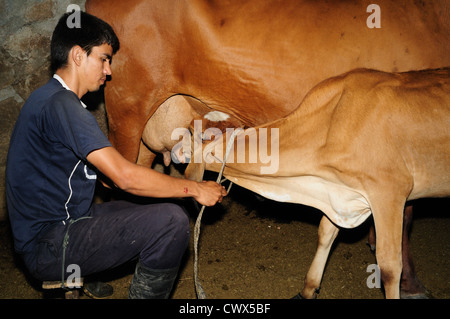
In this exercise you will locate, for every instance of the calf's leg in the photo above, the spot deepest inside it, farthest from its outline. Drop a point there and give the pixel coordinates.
(388, 217)
(327, 234)
(410, 285)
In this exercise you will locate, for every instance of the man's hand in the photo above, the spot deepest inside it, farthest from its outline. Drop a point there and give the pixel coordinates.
(210, 193)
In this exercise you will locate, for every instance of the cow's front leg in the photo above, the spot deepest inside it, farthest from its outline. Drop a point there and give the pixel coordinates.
(410, 285)
(327, 234)
(388, 217)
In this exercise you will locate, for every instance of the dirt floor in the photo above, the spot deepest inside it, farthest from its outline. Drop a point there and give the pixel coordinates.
(262, 249)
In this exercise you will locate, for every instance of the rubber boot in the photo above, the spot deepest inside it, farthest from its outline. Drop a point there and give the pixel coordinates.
(152, 283)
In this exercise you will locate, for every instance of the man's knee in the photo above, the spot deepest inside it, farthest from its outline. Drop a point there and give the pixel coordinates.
(171, 223)
(167, 249)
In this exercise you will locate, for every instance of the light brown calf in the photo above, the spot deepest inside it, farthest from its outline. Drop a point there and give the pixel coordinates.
(359, 144)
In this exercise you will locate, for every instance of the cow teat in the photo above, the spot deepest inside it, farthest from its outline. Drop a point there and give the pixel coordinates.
(212, 123)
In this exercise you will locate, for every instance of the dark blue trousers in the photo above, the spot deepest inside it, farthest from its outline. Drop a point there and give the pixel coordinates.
(117, 232)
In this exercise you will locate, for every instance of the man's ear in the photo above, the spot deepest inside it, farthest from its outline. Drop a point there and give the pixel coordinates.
(76, 55)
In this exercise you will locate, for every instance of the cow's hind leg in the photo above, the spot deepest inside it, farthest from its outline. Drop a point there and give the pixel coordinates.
(372, 240)
(145, 156)
(410, 285)
(327, 234)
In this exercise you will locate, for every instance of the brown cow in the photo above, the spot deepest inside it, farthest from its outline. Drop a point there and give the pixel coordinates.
(359, 144)
(254, 60)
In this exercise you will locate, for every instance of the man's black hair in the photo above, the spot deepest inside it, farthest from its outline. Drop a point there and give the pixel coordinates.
(90, 32)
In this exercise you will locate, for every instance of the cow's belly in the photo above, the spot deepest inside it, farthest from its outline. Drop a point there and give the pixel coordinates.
(344, 206)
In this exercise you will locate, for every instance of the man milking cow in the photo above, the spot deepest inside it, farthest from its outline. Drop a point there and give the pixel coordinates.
(56, 152)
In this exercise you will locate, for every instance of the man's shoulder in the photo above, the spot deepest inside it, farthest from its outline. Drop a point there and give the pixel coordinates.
(58, 99)
(52, 86)
(49, 91)
(60, 94)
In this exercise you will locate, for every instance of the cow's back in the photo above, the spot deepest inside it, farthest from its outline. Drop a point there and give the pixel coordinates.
(395, 125)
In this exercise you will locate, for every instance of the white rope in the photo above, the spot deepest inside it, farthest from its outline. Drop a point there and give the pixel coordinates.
(71, 192)
(198, 287)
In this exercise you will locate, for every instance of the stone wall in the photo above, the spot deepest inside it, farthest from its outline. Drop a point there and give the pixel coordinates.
(25, 32)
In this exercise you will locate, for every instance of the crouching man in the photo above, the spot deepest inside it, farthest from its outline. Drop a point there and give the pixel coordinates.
(56, 152)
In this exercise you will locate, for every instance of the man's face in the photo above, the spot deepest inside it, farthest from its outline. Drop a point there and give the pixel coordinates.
(96, 67)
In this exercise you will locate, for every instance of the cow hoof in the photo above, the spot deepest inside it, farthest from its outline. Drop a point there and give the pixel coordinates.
(420, 295)
(299, 296)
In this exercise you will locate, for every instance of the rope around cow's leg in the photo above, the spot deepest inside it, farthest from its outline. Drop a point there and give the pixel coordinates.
(198, 287)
